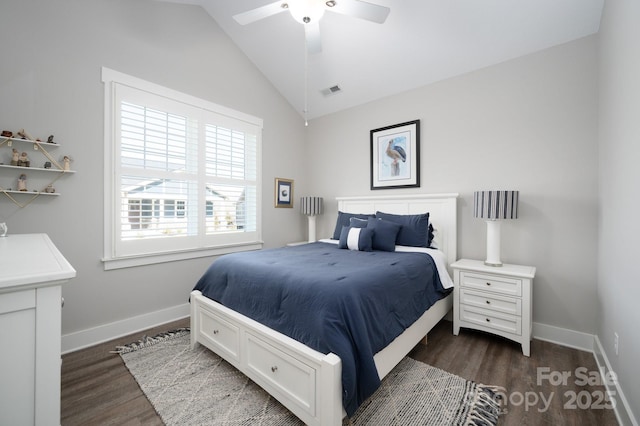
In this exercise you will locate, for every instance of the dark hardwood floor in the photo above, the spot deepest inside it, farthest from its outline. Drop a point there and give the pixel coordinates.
(97, 388)
(535, 394)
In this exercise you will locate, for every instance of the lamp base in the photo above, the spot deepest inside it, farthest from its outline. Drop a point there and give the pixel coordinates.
(493, 243)
(312, 229)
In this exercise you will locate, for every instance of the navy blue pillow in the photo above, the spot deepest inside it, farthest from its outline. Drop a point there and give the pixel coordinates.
(414, 231)
(356, 239)
(343, 220)
(354, 222)
(384, 234)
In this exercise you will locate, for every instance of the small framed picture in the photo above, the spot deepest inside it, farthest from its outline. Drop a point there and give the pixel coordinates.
(284, 193)
(395, 156)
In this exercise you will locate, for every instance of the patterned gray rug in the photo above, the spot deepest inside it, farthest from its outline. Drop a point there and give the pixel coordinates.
(197, 387)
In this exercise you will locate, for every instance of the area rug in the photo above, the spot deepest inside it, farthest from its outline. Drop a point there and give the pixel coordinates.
(197, 387)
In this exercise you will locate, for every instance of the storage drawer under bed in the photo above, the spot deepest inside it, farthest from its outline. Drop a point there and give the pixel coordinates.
(221, 333)
(282, 372)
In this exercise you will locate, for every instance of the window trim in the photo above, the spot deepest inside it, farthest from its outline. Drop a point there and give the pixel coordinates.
(110, 260)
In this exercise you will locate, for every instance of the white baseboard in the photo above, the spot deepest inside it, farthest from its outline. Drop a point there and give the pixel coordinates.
(590, 343)
(622, 408)
(563, 336)
(82, 339)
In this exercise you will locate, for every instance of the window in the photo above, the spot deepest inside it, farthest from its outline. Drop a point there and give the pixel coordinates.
(181, 175)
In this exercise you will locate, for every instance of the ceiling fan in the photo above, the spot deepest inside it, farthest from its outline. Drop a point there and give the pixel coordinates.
(309, 12)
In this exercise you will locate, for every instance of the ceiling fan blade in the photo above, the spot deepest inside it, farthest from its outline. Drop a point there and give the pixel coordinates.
(312, 36)
(262, 12)
(361, 9)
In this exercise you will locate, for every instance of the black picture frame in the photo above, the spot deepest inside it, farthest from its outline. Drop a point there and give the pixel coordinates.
(395, 156)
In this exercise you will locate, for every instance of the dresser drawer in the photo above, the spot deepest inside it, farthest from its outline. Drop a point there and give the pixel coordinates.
(491, 301)
(491, 319)
(281, 372)
(221, 333)
(496, 284)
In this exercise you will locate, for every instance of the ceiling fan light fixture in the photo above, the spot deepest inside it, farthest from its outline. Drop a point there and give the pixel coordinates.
(306, 11)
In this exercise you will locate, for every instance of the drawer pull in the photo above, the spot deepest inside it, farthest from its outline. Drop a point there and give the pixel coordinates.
(488, 320)
(216, 331)
(488, 284)
(488, 302)
(274, 368)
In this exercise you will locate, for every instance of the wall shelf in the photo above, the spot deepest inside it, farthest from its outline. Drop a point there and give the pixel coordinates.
(40, 148)
(13, 191)
(40, 169)
(9, 142)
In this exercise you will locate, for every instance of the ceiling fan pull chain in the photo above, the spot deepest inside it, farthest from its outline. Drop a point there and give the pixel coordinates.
(306, 78)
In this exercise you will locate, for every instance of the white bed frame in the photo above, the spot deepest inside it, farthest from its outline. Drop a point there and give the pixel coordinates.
(305, 381)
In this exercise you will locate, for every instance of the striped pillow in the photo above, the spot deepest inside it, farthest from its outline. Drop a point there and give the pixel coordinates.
(356, 238)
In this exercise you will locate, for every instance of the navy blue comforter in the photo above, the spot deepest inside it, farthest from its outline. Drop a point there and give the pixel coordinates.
(350, 303)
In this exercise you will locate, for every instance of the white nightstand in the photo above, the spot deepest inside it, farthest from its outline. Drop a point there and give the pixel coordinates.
(494, 299)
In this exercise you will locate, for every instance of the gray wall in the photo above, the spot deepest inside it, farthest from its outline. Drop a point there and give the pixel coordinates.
(50, 83)
(619, 178)
(528, 124)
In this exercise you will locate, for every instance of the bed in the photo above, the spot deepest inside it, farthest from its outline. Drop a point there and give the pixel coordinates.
(307, 381)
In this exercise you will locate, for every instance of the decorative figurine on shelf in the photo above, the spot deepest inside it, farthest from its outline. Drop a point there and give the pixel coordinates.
(50, 189)
(24, 135)
(23, 161)
(67, 163)
(7, 134)
(15, 157)
(50, 139)
(22, 182)
(47, 164)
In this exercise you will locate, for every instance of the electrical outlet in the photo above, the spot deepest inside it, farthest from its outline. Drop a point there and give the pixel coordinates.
(615, 342)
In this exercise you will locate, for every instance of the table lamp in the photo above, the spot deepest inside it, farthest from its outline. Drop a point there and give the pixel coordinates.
(494, 206)
(311, 206)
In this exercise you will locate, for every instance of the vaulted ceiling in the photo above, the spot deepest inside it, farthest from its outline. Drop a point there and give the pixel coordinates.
(421, 42)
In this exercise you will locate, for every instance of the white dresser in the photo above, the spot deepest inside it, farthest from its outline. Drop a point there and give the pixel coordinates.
(32, 271)
(494, 299)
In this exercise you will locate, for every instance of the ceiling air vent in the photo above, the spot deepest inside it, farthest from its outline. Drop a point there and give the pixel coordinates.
(331, 90)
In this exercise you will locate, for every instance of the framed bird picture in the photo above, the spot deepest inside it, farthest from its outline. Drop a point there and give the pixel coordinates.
(395, 156)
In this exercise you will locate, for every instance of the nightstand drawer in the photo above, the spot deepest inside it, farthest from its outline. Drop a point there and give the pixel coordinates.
(494, 302)
(491, 319)
(496, 284)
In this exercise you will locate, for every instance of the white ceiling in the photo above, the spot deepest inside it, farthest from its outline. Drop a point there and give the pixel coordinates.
(421, 42)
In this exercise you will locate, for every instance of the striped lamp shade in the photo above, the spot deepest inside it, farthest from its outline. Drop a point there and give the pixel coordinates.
(495, 204)
(311, 206)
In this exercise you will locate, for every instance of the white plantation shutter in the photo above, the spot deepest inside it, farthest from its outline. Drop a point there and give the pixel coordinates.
(181, 173)
(231, 165)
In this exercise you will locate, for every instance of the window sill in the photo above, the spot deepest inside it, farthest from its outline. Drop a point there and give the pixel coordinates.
(150, 259)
